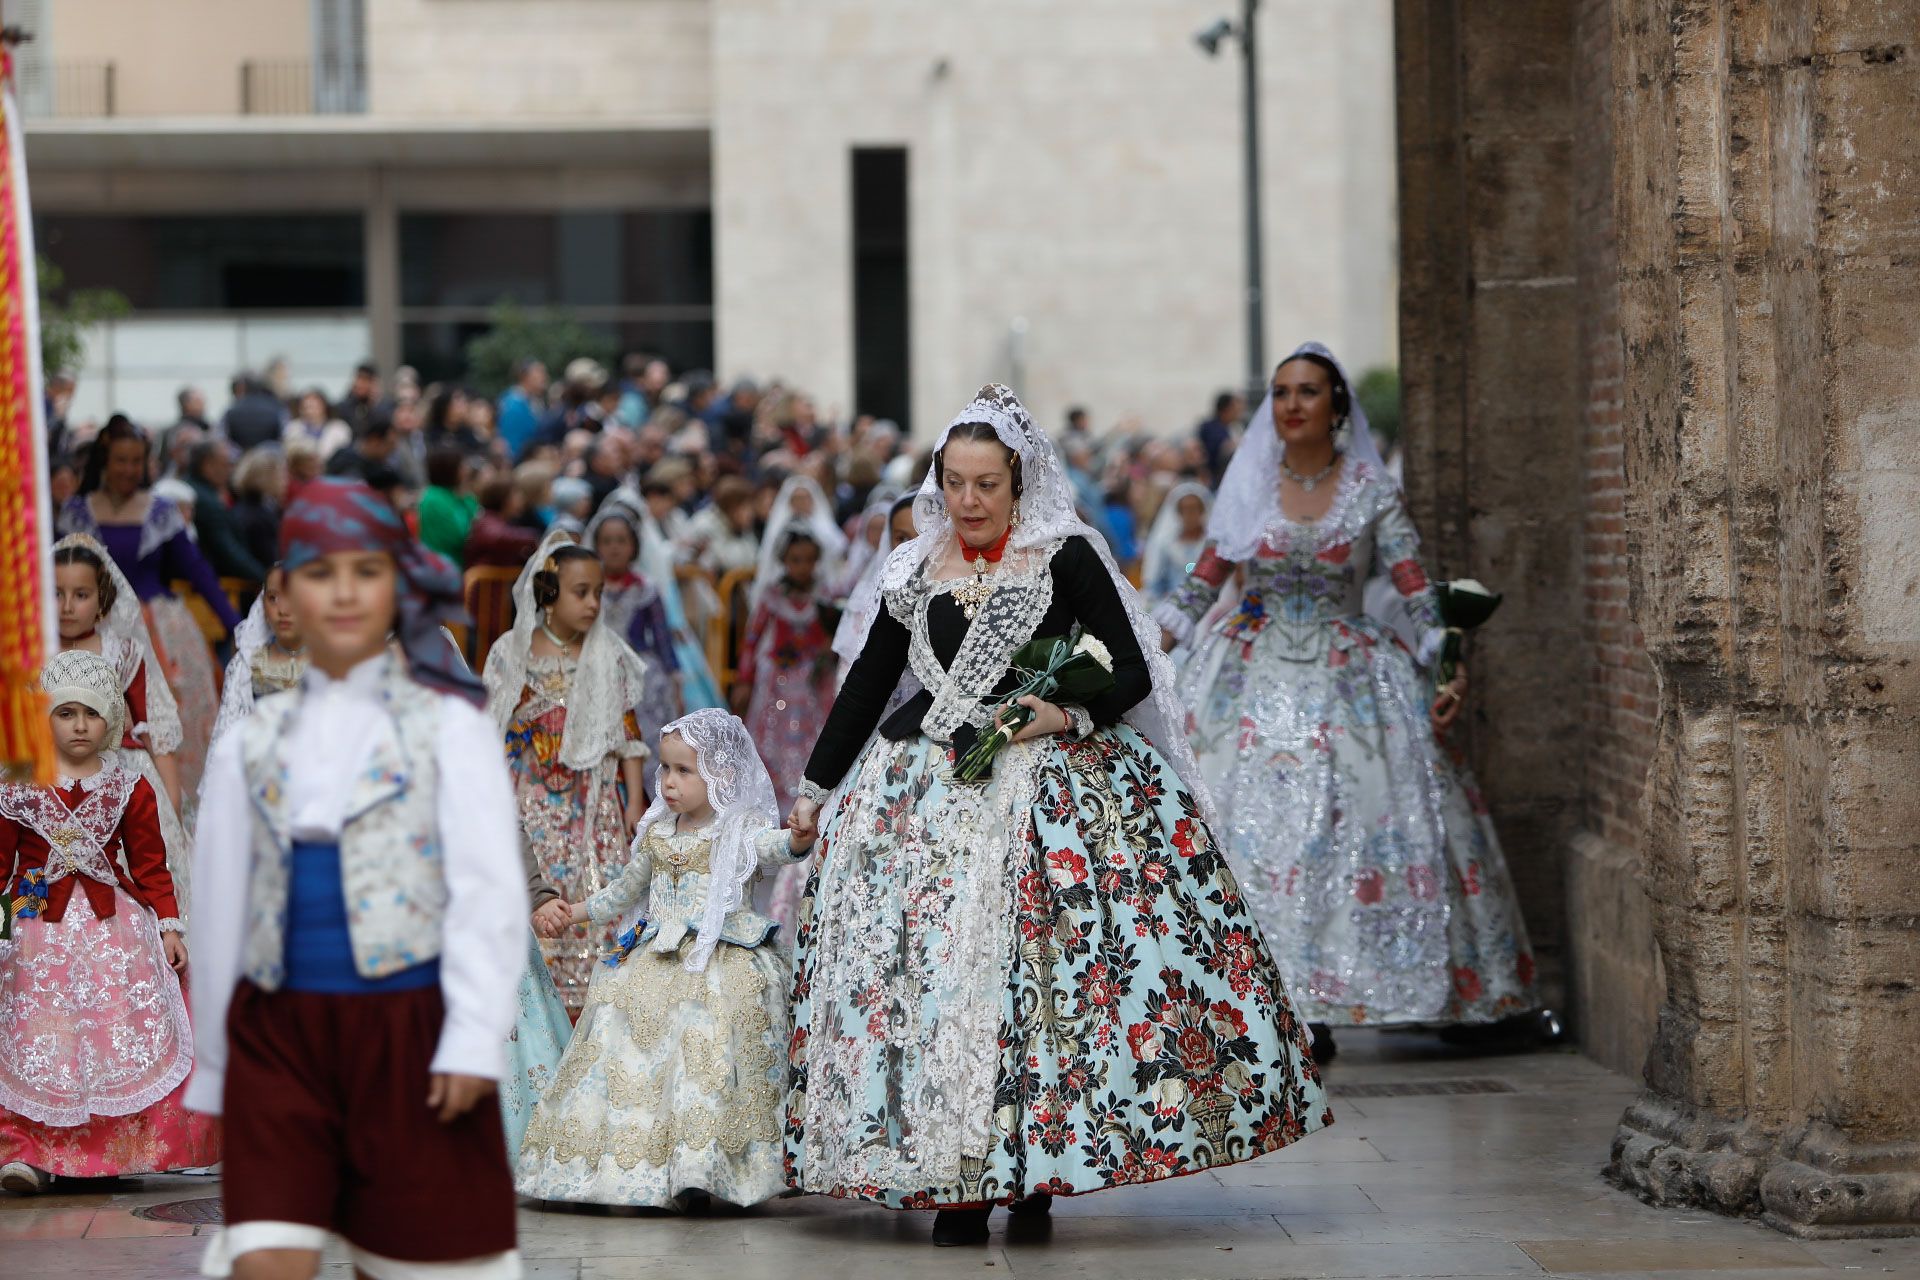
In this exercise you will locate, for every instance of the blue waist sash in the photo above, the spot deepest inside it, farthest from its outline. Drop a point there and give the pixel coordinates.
(319, 953)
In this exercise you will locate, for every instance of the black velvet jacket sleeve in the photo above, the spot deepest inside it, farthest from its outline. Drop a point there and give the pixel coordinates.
(856, 709)
(1083, 596)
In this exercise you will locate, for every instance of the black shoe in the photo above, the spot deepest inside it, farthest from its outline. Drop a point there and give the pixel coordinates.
(1037, 1205)
(960, 1226)
(1324, 1050)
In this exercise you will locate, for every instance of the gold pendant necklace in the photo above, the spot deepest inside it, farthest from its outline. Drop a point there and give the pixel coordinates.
(975, 591)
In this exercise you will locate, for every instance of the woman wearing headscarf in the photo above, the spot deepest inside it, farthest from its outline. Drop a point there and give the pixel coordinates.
(1362, 845)
(1043, 982)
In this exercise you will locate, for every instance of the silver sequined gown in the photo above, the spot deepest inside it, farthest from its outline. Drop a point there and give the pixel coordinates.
(1361, 843)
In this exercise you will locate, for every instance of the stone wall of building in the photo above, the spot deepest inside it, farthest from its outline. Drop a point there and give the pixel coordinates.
(1768, 222)
(1074, 169)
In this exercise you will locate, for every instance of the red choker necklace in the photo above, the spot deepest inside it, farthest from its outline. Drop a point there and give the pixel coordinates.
(990, 554)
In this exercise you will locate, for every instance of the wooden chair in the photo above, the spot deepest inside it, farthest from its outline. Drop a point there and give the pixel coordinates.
(489, 592)
(729, 626)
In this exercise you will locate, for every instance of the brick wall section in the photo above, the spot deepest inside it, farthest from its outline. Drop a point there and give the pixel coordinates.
(1619, 698)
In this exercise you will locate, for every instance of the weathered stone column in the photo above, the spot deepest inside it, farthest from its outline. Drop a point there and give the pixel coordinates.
(1768, 214)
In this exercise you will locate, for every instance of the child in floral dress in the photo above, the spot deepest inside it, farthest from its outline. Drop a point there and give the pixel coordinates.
(561, 687)
(671, 1089)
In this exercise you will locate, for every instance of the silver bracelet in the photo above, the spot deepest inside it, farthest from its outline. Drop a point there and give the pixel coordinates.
(811, 790)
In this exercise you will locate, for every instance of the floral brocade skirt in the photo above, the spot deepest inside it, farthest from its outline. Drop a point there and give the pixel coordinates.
(1363, 846)
(1044, 983)
(183, 652)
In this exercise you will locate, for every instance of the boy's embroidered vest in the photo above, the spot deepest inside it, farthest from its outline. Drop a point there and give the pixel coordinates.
(390, 864)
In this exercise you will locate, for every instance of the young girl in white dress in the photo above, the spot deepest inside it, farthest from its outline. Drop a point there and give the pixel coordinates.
(672, 1086)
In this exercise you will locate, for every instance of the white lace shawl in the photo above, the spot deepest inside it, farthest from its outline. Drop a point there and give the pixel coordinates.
(784, 520)
(607, 682)
(1246, 512)
(161, 520)
(1047, 519)
(125, 643)
(236, 693)
(741, 793)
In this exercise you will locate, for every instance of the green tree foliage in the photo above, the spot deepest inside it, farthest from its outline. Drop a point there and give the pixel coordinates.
(548, 335)
(1379, 393)
(64, 323)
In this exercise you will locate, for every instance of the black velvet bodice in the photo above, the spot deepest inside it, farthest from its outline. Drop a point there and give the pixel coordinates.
(1083, 596)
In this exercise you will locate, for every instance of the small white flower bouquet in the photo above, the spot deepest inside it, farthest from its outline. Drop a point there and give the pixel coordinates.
(1052, 669)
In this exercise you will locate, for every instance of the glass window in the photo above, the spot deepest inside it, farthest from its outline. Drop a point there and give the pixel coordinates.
(581, 258)
(191, 262)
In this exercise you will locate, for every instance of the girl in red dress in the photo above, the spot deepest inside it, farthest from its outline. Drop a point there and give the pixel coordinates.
(94, 1042)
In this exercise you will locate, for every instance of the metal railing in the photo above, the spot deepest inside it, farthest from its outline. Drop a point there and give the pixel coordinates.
(324, 86)
(67, 90)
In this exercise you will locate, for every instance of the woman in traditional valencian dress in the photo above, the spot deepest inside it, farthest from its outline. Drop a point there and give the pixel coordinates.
(634, 609)
(151, 541)
(1043, 983)
(1363, 848)
(562, 688)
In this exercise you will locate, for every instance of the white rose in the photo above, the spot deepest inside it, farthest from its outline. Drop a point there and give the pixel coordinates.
(1091, 646)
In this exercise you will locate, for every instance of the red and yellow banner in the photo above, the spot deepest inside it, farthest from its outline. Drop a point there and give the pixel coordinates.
(26, 520)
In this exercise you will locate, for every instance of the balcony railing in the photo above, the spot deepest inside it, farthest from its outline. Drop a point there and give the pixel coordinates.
(67, 90)
(324, 86)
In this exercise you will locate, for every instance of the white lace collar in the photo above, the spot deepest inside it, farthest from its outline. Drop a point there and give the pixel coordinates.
(65, 781)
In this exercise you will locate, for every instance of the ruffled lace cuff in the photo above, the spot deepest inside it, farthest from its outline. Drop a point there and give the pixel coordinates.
(1079, 721)
(173, 924)
(811, 790)
(632, 749)
(1169, 615)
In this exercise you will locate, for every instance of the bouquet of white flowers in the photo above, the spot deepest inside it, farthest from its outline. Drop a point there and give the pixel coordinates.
(1464, 604)
(1051, 669)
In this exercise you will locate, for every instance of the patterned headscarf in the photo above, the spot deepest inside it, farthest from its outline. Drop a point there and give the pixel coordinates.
(338, 514)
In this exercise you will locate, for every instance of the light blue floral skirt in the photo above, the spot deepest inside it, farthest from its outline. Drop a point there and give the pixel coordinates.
(1044, 983)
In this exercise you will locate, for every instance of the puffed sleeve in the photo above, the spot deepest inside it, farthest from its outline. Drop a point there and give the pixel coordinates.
(1396, 557)
(1080, 579)
(861, 701)
(1180, 612)
(146, 854)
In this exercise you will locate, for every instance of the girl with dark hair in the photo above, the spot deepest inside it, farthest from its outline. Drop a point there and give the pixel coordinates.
(561, 688)
(148, 537)
(1362, 845)
(784, 681)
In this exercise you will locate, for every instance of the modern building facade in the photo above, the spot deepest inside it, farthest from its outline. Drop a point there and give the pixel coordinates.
(883, 201)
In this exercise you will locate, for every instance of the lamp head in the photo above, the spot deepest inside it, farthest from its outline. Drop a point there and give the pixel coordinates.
(1212, 37)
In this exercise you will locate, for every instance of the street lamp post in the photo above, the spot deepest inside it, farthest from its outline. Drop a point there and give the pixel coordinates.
(1210, 40)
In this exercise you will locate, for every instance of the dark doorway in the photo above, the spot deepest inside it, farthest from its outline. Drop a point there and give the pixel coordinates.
(881, 350)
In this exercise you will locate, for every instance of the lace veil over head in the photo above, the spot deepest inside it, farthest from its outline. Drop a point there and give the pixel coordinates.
(1047, 517)
(124, 642)
(784, 520)
(741, 793)
(1246, 512)
(607, 682)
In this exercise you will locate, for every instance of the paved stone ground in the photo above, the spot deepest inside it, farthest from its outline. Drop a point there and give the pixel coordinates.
(1438, 1184)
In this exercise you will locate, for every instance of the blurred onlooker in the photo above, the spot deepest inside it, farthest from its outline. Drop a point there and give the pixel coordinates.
(1215, 434)
(255, 417)
(646, 379)
(209, 467)
(303, 467)
(409, 441)
(313, 423)
(58, 399)
(373, 447)
(579, 391)
(447, 425)
(1079, 425)
(447, 505)
(721, 537)
(63, 481)
(523, 406)
(193, 420)
(607, 464)
(535, 482)
(572, 499)
(182, 438)
(259, 496)
(363, 395)
(495, 537)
